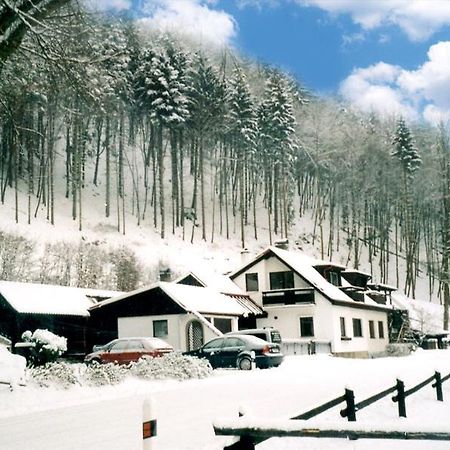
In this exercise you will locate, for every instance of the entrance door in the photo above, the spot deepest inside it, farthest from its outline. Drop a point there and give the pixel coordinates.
(194, 335)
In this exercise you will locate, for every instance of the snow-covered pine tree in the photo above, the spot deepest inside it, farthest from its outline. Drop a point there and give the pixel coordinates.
(406, 153)
(277, 130)
(207, 101)
(242, 122)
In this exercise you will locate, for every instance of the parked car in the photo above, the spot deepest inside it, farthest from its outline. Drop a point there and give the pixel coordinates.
(126, 350)
(239, 351)
(12, 368)
(268, 334)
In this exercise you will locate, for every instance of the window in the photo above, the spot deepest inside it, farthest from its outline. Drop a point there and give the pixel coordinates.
(251, 282)
(223, 325)
(214, 344)
(372, 329)
(160, 328)
(357, 328)
(334, 278)
(306, 327)
(135, 345)
(381, 329)
(233, 343)
(343, 331)
(281, 280)
(119, 346)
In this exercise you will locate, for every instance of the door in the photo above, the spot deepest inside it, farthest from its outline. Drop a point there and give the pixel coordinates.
(212, 352)
(232, 347)
(194, 335)
(116, 352)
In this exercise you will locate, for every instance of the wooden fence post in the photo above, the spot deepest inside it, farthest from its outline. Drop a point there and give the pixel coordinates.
(438, 386)
(350, 401)
(400, 398)
(244, 443)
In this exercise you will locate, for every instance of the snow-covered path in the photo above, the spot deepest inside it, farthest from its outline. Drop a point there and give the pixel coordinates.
(186, 410)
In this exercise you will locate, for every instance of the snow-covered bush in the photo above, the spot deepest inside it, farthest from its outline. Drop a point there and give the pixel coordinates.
(171, 366)
(12, 368)
(400, 349)
(54, 374)
(47, 346)
(103, 374)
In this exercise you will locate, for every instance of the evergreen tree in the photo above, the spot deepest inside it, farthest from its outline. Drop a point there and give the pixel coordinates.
(408, 156)
(405, 150)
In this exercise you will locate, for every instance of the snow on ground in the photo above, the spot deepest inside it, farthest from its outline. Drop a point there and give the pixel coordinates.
(186, 410)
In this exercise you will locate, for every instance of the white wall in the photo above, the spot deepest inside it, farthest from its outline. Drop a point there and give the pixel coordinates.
(177, 325)
(143, 326)
(364, 343)
(287, 319)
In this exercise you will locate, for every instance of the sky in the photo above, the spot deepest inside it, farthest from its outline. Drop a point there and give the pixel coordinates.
(387, 56)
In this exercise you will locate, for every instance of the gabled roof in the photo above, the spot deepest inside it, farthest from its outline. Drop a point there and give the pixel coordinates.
(207, 278)
(303, 265)
(53, 300)
(192, 299)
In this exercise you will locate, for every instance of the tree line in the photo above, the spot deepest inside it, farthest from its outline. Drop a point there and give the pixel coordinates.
(202, 142)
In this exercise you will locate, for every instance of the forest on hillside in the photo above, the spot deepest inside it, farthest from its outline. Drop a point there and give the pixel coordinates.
(199, 141)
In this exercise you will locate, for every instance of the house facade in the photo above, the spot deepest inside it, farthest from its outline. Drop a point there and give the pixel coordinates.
(185, 316)
(310, 301)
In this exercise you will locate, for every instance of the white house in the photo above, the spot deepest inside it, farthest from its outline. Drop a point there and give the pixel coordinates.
(185, 316)
(308, 300)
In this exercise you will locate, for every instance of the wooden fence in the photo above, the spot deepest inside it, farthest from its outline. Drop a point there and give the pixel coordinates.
(251, 436)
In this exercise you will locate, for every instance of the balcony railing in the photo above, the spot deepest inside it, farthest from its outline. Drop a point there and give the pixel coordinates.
(288, 297)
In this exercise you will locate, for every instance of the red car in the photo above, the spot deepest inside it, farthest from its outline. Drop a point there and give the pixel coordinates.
(126, 350)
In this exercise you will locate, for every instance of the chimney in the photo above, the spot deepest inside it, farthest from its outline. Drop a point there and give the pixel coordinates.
(282, 243)
(245, 256)
(165, 275)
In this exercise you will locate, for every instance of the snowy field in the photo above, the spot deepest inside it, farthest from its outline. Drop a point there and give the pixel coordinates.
(186, 410)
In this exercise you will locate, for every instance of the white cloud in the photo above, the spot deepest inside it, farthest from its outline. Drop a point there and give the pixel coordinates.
(419, 19)
(374, 89)
(190, 17)
(387, 89)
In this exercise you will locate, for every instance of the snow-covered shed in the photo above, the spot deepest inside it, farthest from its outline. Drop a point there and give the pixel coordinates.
(185, 316)
(417, 320)
(310, 301)
(60, 309)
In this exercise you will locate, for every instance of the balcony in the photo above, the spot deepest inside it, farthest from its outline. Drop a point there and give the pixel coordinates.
(355, 293)
(288, 297)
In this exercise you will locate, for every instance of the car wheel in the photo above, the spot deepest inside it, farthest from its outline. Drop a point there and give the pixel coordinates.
(245, 363)
(95, 361)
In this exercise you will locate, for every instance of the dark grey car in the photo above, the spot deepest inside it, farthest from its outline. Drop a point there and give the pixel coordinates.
(239, 351)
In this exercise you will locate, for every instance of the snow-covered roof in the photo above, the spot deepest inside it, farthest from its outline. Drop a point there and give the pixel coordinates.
(202, 300)
(304, 265)
(47, 299)
(213, 280)
(425, 317)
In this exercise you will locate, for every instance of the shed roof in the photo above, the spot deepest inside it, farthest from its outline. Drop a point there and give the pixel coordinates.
(425, 317)
(48, 299)
(194, 299)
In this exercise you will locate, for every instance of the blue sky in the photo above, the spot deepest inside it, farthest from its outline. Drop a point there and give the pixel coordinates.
(389, 56)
